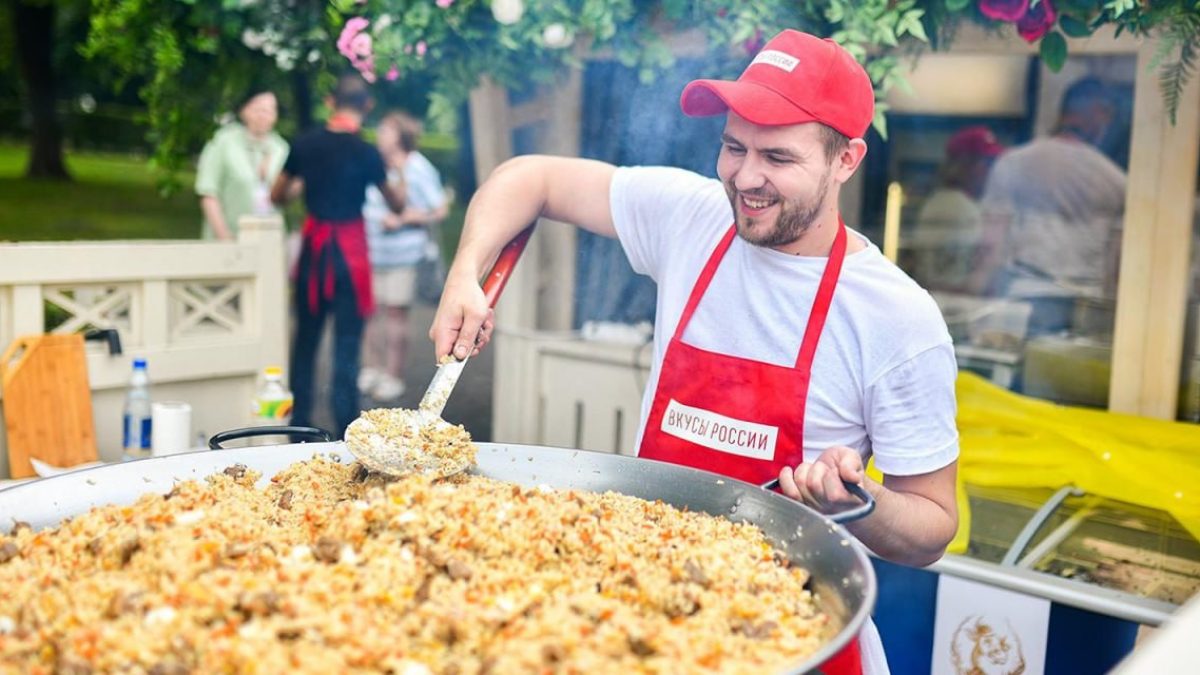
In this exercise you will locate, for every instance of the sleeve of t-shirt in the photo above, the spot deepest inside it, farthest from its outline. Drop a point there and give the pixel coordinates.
(651, 208)
(208, 171)
(910, 414)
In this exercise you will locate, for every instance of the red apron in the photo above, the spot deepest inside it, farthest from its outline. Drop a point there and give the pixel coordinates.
(738, 417)
(350, 238)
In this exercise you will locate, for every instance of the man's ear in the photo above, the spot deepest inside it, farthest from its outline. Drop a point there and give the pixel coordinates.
(847, 161)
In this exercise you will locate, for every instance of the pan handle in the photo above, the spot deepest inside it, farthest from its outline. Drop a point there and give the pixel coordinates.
(313, 433)
(494, 282)
(849, 515)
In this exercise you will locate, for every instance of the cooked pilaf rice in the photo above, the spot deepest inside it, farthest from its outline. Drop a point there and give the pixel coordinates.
(330, 568)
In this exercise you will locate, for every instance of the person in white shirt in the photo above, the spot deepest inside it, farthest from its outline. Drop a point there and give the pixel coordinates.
(775, 322)
(1053, 212)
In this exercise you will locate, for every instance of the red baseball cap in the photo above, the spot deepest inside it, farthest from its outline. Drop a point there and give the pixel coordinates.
(975, 141)
(795, 78)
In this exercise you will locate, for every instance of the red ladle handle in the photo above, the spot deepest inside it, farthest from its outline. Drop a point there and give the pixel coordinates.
(494, 282)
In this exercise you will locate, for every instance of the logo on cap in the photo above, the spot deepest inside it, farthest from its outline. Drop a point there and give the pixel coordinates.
(780, 60)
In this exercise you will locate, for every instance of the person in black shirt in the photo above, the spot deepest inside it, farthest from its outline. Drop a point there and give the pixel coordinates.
(334, 167)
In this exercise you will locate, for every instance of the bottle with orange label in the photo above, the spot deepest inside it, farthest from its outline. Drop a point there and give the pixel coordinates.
(273, 403)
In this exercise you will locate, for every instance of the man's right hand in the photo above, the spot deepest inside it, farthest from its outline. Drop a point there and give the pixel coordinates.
(464, 322)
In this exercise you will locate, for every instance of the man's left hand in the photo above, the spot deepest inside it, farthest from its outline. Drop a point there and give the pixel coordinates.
(819, 484)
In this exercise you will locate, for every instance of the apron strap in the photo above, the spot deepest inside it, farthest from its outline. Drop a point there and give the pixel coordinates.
(706, 275)
(824, 299)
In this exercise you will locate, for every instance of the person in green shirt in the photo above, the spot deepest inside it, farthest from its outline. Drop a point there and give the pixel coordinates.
(239, 165)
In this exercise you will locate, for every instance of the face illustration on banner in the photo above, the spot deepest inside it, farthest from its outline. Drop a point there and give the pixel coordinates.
(986, 646)
(1009, 638)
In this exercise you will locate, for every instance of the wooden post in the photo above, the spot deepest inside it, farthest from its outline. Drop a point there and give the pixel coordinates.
(1155, 250)
(28, 312)
(562, 135)
(267, 301)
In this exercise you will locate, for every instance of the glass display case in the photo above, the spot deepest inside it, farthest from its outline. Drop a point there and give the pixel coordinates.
(1092, 540)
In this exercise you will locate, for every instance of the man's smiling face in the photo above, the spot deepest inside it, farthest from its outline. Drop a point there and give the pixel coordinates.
(777, 179)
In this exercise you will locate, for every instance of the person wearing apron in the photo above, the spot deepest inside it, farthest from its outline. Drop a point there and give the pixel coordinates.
(333, 166)
(785, 345)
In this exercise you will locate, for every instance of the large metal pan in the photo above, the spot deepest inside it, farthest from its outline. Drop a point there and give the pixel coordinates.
(842, 578)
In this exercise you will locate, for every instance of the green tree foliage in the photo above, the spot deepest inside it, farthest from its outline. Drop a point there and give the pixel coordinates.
(196, 59)
(195, 56)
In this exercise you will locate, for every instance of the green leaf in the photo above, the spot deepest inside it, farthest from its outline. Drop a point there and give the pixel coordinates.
(957, 5)
(1054, 51)
(1074, 27)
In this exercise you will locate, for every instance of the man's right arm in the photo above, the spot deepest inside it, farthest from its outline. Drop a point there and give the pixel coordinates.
(518, 192)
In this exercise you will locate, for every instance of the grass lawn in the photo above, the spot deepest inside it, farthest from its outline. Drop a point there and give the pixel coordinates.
(115, 197)
(111, 197)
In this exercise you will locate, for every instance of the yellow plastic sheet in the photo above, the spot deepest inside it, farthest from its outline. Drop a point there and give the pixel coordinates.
(1009, 440)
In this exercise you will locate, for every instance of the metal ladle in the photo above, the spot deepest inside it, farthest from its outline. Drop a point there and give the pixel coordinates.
(399, 441)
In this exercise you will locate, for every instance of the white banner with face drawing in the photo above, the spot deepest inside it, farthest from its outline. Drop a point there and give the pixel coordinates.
(984, 630)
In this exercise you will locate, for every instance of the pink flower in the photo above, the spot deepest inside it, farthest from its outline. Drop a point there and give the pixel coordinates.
(368, 75)
(361, 45)
(392, 74)
(1004, 10)
(1037, 21)
(422, 48)
(444, 3)
(354, 26)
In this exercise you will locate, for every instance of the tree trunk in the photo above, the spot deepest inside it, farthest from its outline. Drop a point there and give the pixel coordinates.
(34, 28)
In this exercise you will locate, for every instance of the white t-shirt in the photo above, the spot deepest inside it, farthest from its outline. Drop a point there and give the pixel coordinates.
(1062, 201)
(884, 370)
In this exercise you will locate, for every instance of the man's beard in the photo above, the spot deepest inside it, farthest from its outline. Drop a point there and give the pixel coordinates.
(795, 216)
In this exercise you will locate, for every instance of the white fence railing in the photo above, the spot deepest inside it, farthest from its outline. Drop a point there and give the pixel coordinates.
(563, 391)
(207, 316)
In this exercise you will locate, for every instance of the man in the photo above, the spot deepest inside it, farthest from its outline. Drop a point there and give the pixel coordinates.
(1052, 214)
(949, 225)
(334, 166)
(745, 293)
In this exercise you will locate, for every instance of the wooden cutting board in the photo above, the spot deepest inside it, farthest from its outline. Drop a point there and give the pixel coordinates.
(47, 403)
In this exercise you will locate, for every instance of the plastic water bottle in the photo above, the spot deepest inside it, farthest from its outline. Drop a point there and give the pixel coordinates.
(273, 403)
(137, 413)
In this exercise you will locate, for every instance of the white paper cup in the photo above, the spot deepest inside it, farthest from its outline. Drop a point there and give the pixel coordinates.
(170, 428)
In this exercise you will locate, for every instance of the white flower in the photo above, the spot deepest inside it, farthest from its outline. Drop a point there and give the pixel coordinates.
(381, 23)
(285, 59)
(557, 36)
(313, 56)
(508, 12)
(253, 39)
